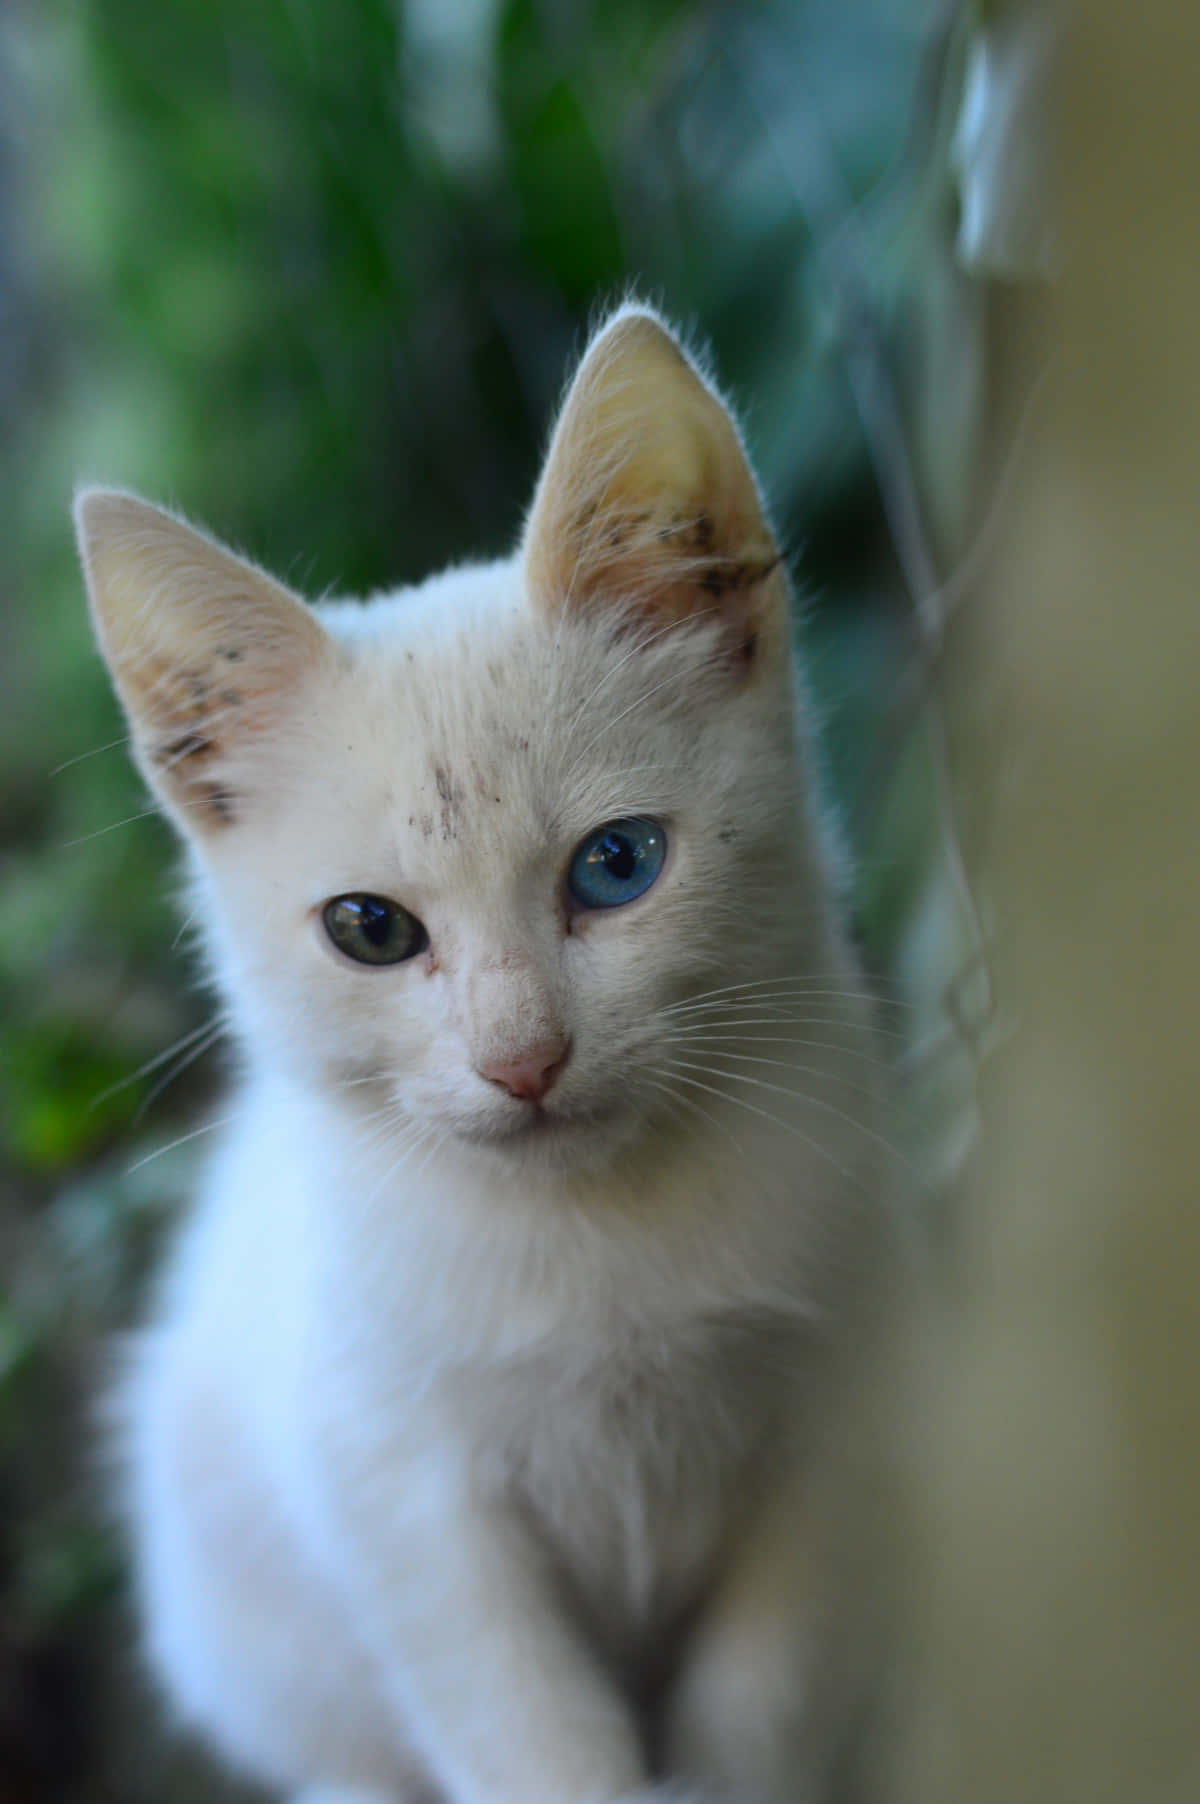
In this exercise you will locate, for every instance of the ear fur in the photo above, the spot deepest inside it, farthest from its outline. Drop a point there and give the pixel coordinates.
(205, 650)
(646, 496)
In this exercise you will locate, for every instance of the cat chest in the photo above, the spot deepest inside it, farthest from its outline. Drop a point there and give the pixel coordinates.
(629, 1478)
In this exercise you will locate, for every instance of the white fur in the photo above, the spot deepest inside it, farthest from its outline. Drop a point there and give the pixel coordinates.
(473, 1463)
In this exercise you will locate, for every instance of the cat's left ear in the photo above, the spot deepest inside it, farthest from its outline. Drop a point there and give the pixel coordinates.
(208, 654)
(647, 500)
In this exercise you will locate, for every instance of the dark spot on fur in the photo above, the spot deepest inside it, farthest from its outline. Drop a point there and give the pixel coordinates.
(524, 744)
(718, 579)
(724, 574)
(409, 656)
(450, 797)
(749, 647)
(726, 834)
(427, 826)
(231, 653)
(495, 798)
(220, 800)
(178, 751)
(480, 780)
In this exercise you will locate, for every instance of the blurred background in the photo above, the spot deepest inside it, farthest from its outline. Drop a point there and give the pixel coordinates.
(313, 272)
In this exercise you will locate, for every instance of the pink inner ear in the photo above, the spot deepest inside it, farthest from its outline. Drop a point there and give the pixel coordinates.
(646, 498)
(206, 651)
(667, 569)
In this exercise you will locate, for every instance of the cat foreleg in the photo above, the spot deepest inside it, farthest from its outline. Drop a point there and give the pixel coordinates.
(742, 1719)
(497, 1687)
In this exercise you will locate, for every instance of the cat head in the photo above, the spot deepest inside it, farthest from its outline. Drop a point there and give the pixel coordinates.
(468, 845)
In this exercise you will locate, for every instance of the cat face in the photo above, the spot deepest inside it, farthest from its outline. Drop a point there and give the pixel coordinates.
(461, 850)
(459, 762)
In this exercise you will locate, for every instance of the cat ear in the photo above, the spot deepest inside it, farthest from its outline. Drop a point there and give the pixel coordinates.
(205, 650)
(646, 496)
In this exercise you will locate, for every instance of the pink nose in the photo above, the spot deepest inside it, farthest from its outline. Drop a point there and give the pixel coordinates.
(530, 1076)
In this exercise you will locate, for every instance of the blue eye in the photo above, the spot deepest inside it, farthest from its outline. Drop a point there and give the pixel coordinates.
(616, 863)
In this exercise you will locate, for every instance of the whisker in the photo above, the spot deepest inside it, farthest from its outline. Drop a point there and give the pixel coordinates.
(720, 1012)
(789, 1127)
(421, 1134)
(436, 1143)
(825, 1071)
(779, 1019)
(197, 1052)
(803, 1096)
(389, 1131)
(806, 984)
(142, 815)
(217, 1022)
(759, 983)
(79, 757)
(705, 1115)
(696, 1038)
(381, 1124)
(185, 925)
(390, 1113)
(209, 1127)
(784, 1007)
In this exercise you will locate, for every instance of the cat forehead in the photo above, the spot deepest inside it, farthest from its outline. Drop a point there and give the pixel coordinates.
(459, 679)
(464, 735)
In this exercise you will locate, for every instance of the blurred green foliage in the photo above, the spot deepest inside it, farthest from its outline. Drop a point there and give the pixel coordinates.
(313, 271)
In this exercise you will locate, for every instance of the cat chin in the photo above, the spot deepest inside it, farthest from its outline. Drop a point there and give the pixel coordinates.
(559, 1138)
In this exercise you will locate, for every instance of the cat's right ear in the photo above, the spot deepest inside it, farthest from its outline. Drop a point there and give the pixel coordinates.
(207, 652)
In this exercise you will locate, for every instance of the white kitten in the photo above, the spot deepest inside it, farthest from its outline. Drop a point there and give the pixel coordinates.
(476, 1449)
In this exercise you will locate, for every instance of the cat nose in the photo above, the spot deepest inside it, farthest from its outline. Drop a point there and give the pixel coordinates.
(529, 1076)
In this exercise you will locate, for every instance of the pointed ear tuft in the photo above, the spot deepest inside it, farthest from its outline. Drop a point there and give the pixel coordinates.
(205, 650)
(646, 496)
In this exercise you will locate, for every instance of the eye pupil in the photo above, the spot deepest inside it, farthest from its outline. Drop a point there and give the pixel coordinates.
(376, 918)
(620, 859)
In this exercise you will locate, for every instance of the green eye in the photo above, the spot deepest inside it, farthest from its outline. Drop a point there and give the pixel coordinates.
(372, 930)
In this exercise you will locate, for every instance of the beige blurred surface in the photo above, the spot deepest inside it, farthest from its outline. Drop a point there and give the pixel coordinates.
(1058, 1492)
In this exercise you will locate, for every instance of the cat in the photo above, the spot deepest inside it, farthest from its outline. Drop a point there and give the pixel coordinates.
(478, 1448)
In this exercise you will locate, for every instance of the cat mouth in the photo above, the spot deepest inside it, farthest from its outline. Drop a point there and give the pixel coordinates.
(534, 1123)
